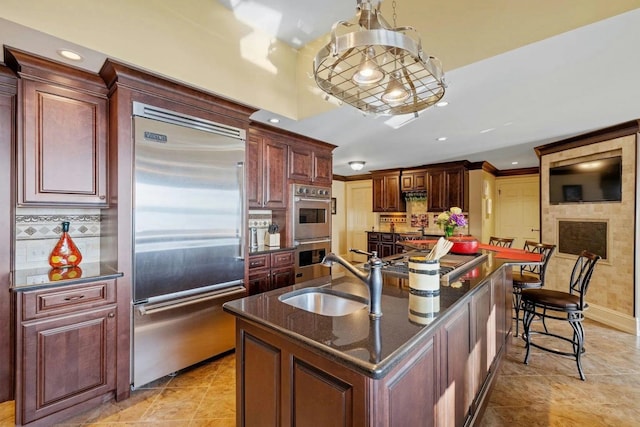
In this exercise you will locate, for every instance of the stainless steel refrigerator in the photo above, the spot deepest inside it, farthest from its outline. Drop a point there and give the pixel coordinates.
(188, 239)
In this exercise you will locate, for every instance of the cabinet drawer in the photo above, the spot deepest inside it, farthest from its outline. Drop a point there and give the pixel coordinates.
(50, 302)
(374, 237)
(387, 237)
(282, 259)
(259, 261)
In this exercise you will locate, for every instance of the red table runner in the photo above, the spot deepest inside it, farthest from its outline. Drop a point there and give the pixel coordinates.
(512, 253)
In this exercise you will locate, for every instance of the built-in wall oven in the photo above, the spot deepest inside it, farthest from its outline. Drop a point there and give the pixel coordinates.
(311, 214)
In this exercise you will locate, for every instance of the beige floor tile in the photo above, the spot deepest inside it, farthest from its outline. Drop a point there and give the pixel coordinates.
(546, 392)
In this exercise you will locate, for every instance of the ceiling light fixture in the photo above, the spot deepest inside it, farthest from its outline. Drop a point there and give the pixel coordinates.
(442, 104)
(69, 54)
(356, 165)
(274, 120)
(368, 73)
(442, 138)
(378, 68)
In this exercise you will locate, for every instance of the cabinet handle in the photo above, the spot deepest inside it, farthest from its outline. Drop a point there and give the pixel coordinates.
(111, 315)
(102, 197)
(74, 298)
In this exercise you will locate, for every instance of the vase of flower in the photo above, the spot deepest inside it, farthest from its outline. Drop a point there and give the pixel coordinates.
(450, 220)
(449, 230)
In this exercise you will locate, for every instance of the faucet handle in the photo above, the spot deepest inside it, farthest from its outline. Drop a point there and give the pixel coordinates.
(361, 252)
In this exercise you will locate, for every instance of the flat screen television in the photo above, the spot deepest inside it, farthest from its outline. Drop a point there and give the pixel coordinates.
(593, 181)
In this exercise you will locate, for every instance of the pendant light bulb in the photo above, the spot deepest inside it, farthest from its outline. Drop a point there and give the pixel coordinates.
(396, 93)
(369, 72)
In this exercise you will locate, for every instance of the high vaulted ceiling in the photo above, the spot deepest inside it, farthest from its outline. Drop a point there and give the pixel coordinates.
(519, 74)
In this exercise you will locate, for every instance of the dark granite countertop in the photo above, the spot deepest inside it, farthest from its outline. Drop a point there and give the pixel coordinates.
(263, 249)
(34, 278)
(372, 347)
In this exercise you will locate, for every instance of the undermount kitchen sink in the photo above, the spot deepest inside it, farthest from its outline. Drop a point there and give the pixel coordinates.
(324, 301)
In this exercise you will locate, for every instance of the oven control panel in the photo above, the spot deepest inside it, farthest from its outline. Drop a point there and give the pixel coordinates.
(314, 191)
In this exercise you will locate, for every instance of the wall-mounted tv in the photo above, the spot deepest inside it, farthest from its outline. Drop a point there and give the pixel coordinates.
(591, 181)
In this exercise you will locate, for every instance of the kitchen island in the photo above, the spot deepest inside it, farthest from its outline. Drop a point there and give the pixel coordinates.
(295, 367)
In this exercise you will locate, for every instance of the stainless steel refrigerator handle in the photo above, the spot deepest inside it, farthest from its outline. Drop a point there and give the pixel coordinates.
(243, 214)
(189, 301)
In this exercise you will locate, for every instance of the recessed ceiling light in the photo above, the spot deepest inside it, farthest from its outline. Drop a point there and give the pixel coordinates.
(69, 54)
(487, 130)
(514, 163)
(442, 104)
(442, 138)
(274, 120)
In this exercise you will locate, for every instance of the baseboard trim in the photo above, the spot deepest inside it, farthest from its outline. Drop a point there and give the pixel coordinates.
(614, 319)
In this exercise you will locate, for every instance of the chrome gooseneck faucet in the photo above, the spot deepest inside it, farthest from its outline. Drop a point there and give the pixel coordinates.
(372, 280)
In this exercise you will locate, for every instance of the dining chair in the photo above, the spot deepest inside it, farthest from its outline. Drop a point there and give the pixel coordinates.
(531, 276)
(559, 305)
(500, 241)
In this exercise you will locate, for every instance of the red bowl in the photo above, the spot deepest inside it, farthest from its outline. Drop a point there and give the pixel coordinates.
(464, 245)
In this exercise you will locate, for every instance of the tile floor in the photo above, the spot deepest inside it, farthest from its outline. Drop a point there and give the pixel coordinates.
(547, 392)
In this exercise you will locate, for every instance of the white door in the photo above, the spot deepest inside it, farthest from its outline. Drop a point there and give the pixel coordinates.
(518, 209)
(360, 216)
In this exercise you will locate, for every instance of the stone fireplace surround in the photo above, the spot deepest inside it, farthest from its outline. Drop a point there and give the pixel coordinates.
(613, 291)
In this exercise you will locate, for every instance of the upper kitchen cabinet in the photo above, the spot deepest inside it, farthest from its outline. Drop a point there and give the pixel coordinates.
(387, 196)
(447, 186)
(266, 170)
(62, 133)
(310, 164)
(414, 180)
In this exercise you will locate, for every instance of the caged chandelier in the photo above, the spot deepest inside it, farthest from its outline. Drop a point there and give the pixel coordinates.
(377, 68)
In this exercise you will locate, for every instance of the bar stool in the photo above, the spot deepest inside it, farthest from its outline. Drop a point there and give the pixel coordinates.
(568, 306)
(500, 241)
(531, 276)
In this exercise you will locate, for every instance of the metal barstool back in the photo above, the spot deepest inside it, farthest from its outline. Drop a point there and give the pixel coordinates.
(531, 276)
(500, 241)
(559, 305)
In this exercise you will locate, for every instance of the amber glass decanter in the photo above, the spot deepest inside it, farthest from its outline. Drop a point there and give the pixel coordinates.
(65, 253)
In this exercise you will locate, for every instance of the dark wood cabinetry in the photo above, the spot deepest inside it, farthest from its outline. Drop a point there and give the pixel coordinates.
(414, 180)
(271, 271)
(446, 188)
(387, 196)
(8, 90)
(383, 243)
(310, 165)
(443, 380)
(62, 149)
(66, 341)
(266, 171)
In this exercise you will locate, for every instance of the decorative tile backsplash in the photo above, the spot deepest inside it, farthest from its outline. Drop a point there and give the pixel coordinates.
(38, 230)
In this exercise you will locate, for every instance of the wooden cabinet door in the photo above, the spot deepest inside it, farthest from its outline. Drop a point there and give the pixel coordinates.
(322, 168)
(66, 361)
(378, 193)
(387, 196)
(274, 174)
(267, 172)
(300, 163)
(454, 189)
(321, 398)
(436, 182)
(456, 369)
(63, 154)
(259, 281)
(254, 171)
(482, 328)
(394, 200)
(419, 181)
(281, 277)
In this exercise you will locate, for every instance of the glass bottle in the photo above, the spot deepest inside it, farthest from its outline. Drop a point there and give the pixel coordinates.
(65, 253)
